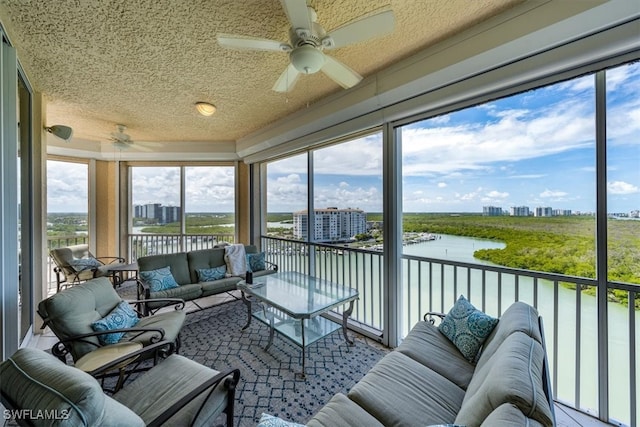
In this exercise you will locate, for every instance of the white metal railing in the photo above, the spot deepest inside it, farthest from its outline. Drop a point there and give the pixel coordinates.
(566, 303)
(154, 244)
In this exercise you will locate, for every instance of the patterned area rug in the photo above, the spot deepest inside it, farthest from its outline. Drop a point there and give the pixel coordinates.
(268, 380)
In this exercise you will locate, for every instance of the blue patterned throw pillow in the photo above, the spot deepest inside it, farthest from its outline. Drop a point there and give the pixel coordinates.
(211, 274)
(160, 279)
(82, 264)
(256, 262)
(121, 317)
(467, 327)
(267, 420)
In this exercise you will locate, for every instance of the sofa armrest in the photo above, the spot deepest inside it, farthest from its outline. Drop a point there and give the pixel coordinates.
(61, 349)
(546, 379)
(271, 266)
(178, 304)
(110, 259)
(431, 315)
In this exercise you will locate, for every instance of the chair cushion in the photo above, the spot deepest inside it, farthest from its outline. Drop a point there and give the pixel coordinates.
(218, 286)
(35, 380)
(426, 344)
(121, 317)
(512, 375)
(467, 327)
(73, 310)
(211, 274)
(400, 391)
(256, 262)
(341, 411)
(160, 279)
(186, 292)
(159, 388)
(171, 321)
(107, 354)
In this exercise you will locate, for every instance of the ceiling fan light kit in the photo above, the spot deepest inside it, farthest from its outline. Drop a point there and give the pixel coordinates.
(307, 59)
(308, 40)
(63, 132)
(205, 108)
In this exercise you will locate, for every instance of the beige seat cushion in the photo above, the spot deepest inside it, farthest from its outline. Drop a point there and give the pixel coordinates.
(427, 345)
(163, 385)
(342, 412)
(398, 391)
(100, 357)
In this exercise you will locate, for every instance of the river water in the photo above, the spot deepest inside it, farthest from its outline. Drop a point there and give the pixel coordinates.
(455, 248)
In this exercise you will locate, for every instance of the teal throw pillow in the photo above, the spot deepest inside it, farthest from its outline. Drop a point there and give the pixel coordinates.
(121, 317)
(160, 279)
(267, 420)
(211, 274)
(85, 264)
(256, 262)
(467, 328)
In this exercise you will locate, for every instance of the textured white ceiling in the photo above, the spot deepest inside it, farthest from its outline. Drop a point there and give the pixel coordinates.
(144, 63)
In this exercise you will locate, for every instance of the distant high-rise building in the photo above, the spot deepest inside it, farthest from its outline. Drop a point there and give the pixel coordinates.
(543, 211)
(519, 211)
(330, 224)
(163, 214)
(562, 212)
(491, 211)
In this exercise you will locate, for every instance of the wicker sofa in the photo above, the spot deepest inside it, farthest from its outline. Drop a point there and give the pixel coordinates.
(184, 267)
(426, 381)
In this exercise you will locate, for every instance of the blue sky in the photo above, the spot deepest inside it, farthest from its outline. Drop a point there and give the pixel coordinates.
(532, 149)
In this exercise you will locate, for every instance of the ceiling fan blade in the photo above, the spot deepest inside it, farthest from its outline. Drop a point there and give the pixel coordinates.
(297, 13)
(360, 29)
(287, 79)
(340, 73)
(252, 43)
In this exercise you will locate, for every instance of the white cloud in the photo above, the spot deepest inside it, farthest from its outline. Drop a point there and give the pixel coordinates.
(516, 134)
(620, 187)
(553, 194)
(67, 187)
(497, 194)
(442, 184)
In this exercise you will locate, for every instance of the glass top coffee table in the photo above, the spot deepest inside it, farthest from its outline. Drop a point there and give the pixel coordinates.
(291, 303)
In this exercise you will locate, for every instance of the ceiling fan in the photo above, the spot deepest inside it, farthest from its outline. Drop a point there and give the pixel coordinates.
(308, 40)
(123, 141)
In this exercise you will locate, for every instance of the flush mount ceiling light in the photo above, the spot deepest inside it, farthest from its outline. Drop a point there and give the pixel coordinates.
(205, 108)
(61, 131)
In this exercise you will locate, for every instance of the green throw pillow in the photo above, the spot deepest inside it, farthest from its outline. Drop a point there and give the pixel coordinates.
(121, 317)
(211, 274)
(256, 262)
(160, 279)
(467, 328)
